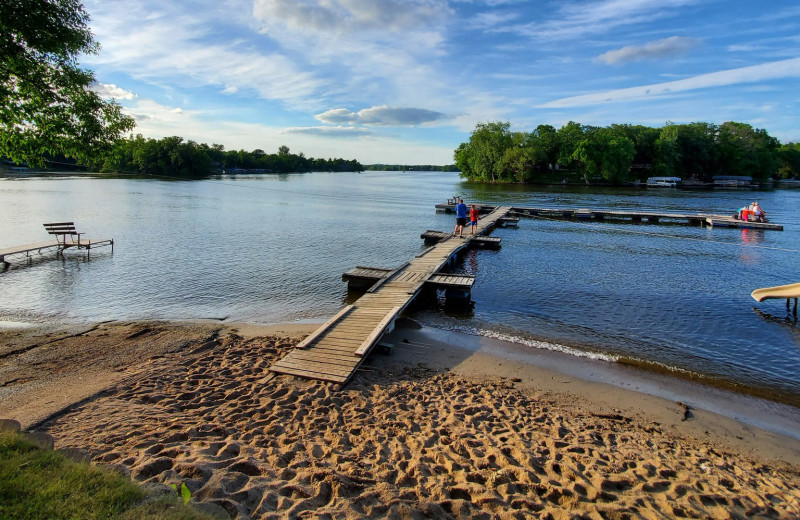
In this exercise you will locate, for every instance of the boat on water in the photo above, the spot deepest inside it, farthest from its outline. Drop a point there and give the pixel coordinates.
(663, 182)
(732, 181)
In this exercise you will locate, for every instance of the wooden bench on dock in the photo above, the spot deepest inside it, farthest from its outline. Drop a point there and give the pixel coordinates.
(67, 236)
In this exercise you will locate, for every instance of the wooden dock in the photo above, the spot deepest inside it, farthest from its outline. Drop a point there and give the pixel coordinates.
(27, 250)
(695, 219)
(336, 349)
(52, 246)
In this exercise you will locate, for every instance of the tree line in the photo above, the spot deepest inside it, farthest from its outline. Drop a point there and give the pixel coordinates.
(173, 156)
(623, 153)
(411, 167)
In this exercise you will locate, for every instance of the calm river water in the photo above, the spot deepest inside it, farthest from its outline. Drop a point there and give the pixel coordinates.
(272, 248)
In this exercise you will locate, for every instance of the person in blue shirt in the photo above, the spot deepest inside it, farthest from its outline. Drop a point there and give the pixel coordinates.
(461, 218)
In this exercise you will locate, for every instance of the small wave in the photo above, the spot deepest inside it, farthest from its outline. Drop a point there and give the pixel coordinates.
(544, 345)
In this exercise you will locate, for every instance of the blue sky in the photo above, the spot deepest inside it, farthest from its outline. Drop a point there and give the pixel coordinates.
(406, 81)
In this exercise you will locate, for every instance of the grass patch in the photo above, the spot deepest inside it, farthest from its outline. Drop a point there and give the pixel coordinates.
(39, 484)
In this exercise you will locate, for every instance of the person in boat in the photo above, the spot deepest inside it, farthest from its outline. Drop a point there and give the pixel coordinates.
(759, 213)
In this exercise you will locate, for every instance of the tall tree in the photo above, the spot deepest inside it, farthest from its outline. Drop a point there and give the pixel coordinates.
(548, 144)
(568, 137)
(487, 146)
(606, 153)
(46, 104)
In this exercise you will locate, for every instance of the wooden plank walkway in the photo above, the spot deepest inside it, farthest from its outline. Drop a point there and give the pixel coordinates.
(336, 349)
(27, 249)
(696, 219)
(58, 247)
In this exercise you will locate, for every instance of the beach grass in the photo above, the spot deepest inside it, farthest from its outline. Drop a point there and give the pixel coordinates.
(43, 484)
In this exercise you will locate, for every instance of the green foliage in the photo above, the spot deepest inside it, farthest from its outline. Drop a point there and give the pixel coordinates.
(44, 484)
(46, 104)
(411, 167)
(606, 153)
(184, 493)
(481, 158)
(165, 508)
(172, 157)
(789, 160)
(624, 153)
(38, 484)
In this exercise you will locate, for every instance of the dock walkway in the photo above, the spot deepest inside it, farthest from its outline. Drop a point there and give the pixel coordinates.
(696, 219)
(27, 249)
(336, 349)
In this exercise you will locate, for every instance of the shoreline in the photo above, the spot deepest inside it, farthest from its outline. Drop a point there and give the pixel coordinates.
(608, 383)
(441, 427)
(766, 428)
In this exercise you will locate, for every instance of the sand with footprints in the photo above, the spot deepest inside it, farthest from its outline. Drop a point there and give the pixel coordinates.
(416, 434)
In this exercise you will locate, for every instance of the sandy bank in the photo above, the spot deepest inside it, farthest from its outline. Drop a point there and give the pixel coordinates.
(431, 430)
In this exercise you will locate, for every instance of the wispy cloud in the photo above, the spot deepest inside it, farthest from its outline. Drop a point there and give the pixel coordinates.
(349, 16)
(753, 74)
(381, 115)
(177, 45)
(667, 47)
(330, 131)
(576, 19)
(111, 91)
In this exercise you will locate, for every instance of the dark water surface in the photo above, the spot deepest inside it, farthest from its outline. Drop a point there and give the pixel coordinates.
(272, 248)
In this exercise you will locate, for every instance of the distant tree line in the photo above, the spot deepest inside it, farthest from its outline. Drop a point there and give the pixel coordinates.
(173, 157)
(624, 153)
(411, 167)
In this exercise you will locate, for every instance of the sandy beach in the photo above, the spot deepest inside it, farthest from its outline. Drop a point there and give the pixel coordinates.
(432, 430)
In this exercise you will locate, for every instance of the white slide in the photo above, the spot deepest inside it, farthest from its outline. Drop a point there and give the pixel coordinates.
(779, 292)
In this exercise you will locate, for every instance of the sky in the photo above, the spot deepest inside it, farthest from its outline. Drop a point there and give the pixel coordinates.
(406, 81)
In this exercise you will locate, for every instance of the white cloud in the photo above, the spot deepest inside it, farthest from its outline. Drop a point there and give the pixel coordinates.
(753, 74)
(490, 20)
(157, 121)
(111, 91)
(381, 115)
(179, 46)
(346, 132)
(666, 47)
(346, 16)
(577, 19)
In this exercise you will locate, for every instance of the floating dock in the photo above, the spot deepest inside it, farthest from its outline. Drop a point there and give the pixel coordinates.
(695, 219)
(336, 349)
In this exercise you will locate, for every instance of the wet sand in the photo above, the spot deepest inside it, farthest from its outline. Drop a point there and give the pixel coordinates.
(432, 430)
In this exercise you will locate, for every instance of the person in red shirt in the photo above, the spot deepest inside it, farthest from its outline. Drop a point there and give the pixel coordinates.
(473, 216)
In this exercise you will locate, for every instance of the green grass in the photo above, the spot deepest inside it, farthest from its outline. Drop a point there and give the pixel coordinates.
(38, 484)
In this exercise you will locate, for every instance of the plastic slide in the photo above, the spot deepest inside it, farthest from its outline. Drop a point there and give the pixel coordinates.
(779, 292)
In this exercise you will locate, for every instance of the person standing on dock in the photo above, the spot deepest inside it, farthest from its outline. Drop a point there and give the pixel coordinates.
(473, 217)
(461, 218)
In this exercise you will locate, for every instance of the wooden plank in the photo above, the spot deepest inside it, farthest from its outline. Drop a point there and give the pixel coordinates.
(377, 332)
(324, 360)
(27, 248)
(314, 335)
(319, 357)
(309, 374)
(316, 367)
